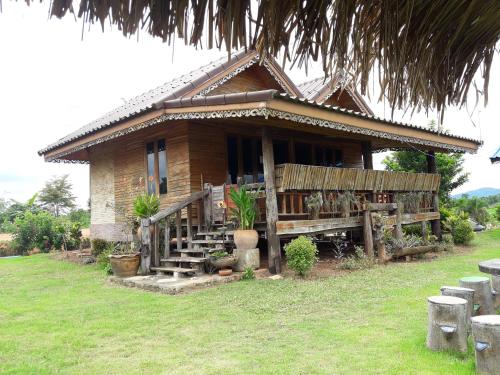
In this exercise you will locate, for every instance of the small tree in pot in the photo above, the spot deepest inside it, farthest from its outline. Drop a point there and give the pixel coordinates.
(245, 237)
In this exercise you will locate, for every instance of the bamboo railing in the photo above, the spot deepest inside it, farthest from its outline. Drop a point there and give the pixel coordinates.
(308, 177)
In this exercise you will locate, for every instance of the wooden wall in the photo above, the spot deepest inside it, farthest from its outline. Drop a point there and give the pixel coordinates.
(342, 99)
(255, 78)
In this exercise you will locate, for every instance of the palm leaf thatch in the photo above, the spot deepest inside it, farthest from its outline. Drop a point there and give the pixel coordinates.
(424, 53)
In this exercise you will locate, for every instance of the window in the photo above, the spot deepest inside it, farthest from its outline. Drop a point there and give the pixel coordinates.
(232, 160)
(157, 168)
(339, 159)
(280, 150)
(303, 154)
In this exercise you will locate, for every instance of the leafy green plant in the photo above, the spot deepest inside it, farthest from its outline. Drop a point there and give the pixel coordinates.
(98, 245)
(146, 205)
(460, 228)
(358, 261)
(248, 274)
(497, 212)
(102, 259)
(246, 207)
(34, 230)
(219, 254)
(301, 254)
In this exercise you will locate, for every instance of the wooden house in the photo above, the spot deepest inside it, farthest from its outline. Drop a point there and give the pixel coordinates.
(244, 120)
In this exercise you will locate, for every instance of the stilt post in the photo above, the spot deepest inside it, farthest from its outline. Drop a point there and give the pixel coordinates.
(273, 242)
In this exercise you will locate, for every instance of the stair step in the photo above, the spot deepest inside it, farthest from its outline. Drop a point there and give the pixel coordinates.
(184, 260)
(228, 233)
(173, 269)
(202, 242)
(187, 251)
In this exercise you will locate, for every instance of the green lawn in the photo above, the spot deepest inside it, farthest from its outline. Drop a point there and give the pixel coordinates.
(57, 317)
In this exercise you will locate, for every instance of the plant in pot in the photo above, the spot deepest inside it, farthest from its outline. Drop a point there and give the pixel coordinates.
(245, 237)
(124, 259)
(145, 205)
(222, 261)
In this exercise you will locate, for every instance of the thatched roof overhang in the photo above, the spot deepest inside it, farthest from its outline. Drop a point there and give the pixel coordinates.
(424, 53)
(269, 107)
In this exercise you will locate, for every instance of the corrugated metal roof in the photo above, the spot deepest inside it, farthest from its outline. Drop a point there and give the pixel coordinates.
(169, 90)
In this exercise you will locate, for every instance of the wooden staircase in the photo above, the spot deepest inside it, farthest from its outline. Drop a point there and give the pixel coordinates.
(188, 255)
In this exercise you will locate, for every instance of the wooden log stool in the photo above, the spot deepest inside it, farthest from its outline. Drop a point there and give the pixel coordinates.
(447, 327)
(465, 293)
(483, 297)
(495, 285)
(486, 333)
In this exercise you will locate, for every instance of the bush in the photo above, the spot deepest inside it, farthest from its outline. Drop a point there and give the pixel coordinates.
(301, 254)
(497, 212)
(248, 274)
(6, 249)
(358, 261)
(85, 243)
(34, 230)
(98, 245)
(412, 230)
(67, 235)
(460, 229)
(102, 259)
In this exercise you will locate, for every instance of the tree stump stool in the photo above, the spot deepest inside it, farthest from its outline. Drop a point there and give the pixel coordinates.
(447, 327)
(486, 333)
(495, 285)
(483, 296)
(465, 293)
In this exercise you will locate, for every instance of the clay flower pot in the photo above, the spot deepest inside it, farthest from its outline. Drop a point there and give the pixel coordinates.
(225, 272)
(246, 239)
(125, 265)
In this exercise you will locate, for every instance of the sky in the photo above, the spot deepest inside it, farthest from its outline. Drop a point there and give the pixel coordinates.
(52, 81)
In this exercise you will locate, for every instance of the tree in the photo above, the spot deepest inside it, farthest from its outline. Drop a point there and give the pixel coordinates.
(56, 196)
(449, 166)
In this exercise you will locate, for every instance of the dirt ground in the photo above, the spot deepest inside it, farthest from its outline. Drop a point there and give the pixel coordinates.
(5, 237)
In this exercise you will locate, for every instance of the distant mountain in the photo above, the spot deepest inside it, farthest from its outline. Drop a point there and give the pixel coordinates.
(481, 192)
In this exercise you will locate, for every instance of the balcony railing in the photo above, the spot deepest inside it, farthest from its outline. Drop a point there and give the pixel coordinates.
(311, 178)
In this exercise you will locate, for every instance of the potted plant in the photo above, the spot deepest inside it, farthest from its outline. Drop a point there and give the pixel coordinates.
(124, 260)
(220, 260)
(145, 205)
(245, 237)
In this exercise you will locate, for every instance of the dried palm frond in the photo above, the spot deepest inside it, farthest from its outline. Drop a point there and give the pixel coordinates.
(423, 53)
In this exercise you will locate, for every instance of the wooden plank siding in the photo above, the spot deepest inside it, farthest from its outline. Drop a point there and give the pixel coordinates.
(255, 78)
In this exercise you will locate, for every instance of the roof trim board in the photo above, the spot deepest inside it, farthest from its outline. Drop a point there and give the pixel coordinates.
(270, 104)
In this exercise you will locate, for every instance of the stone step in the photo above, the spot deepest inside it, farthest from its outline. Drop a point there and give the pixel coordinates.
(184, 260)
(210, 242)
(173, 269)
(187, 251)
(228, 233)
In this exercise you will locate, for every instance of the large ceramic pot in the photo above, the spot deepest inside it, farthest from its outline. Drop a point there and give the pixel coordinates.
(125, 265)
(246, 239)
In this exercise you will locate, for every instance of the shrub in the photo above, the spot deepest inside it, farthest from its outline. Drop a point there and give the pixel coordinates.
(460, 229)
(85, 243)
(102, 259)
(358, 261)
(98, 245)
(412, 230)
(34, 230)
(497, 212)
(301, 253)
(6, 249)
(67, 235)
(146, 205)
(248, 274)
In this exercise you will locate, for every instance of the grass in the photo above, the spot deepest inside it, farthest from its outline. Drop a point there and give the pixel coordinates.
(57, 317)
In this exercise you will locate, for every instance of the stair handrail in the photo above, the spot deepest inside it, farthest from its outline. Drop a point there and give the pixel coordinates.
(178, 206)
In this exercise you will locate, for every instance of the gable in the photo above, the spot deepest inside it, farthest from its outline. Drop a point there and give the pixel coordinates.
(342, 98)
(255, 78)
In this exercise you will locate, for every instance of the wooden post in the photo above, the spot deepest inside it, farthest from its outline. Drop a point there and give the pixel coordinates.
(166, 251)
(189, 226)
(178, 224)
(367, 234)
(432, 168)
(398, 229)
(156, 246)
(273, 242)
(366, 149)
(145, 246)
(378, 237)
(424, 231)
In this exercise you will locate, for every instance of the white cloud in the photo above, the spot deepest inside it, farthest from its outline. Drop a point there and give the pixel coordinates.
(52, 82)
